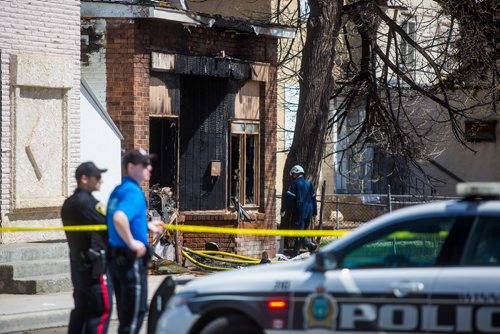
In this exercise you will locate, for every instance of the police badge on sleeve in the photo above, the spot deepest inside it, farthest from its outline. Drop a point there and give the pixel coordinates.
(101, 208)
(320, 310)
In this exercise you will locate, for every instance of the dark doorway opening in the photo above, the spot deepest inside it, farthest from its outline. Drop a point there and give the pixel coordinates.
(163, 139)
(206, 106)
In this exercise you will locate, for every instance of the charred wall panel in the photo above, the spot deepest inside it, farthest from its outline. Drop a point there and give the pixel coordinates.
(206, 106)
(164, 93)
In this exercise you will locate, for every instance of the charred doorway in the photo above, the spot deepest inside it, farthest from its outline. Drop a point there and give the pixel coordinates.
(205, 111)
(163, 142)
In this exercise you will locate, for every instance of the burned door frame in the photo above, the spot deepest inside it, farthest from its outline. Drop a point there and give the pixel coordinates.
(174, 120)
(164, 98)
(238, 74)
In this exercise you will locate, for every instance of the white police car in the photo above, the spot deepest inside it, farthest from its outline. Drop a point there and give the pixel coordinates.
(432, 268)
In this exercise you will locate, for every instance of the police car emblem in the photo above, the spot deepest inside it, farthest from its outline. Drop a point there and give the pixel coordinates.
(320, 310)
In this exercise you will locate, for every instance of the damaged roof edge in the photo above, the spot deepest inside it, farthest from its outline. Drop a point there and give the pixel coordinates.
(126, 11)
(89, 94)
(177, 16)
(273, 31)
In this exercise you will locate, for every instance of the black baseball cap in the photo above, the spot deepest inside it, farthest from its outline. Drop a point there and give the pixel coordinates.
(137, 157)
(88, 168)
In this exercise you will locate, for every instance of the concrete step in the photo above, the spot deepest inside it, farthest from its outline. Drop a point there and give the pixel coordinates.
(33, 251)
(20, 269)
(38, 284)
(35, 268)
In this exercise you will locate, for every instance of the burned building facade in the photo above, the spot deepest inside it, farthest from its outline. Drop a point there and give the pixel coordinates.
(200, 93)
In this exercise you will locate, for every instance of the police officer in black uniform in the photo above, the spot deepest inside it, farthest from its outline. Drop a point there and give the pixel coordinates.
(92, 292)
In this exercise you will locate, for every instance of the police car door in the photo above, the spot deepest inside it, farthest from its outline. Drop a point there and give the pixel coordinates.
(466, 296)
(383, 281)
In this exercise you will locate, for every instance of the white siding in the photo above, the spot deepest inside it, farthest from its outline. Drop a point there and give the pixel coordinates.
(100, 144)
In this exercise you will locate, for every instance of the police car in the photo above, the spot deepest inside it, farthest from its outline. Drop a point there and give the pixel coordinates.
(431, 268)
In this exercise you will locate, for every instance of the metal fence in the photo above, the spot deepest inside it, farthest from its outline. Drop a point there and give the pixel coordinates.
(348, 211)
(342, 211)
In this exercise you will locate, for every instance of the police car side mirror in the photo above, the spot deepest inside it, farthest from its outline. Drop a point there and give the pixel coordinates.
(325, 261)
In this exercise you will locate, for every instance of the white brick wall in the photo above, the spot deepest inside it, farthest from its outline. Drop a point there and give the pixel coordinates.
(48, 27)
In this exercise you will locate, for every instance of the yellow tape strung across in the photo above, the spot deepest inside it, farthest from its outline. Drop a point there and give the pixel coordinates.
(195, 229)
(251, 231)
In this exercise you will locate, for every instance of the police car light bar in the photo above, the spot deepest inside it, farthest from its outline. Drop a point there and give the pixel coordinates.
(479, 189)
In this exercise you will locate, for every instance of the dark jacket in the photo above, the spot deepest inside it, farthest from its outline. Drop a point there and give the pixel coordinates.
(82, 208)
(301, 200)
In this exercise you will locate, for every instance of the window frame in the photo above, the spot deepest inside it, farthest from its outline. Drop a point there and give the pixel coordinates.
(243, 156)
(474, 241)
(407, 50)
(303, 10)
(291, 94)
(394, 228)
(481, 131)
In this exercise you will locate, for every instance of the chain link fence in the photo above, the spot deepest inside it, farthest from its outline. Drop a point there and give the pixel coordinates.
(348, 211)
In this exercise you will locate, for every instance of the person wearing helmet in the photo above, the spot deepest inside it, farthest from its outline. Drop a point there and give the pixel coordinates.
(301, 201)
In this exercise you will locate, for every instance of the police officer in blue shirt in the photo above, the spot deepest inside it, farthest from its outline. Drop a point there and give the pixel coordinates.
(128, 238)
(301, 201)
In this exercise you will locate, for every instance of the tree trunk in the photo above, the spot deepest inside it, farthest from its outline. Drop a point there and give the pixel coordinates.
(316, 86)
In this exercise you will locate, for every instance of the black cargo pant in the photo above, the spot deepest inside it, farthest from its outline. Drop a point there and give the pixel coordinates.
(93, 299)
(129, 278)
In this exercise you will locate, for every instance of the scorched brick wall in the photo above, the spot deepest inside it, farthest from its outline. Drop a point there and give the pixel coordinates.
(129, 47)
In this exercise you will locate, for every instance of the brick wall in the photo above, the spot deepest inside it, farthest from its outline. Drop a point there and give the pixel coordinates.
(241, 244)
(199, 41)
(198, 240)
(268, 147)
(253, 245)
(127, 66)
(129, 46)
(47, 27)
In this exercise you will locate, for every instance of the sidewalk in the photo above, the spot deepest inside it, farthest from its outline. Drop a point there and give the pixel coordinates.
(29, 312)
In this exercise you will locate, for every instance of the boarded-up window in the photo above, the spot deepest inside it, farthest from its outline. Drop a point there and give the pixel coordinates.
(244, 162)
(164, 94)
(477, 131)
(247, 101)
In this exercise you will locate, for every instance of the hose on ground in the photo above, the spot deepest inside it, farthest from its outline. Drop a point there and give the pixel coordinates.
(228, 258)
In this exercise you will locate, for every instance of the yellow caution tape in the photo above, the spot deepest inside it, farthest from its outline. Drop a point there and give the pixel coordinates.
(251, 231)
(195, 229)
